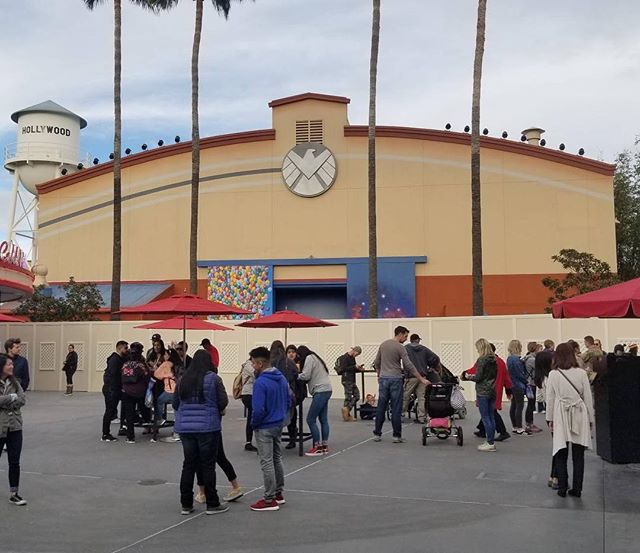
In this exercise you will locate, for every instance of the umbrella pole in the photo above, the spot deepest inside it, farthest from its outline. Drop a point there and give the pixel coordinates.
(184, 331)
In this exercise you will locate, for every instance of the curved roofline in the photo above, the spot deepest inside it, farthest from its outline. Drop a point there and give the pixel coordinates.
(360, 131)
(309, 96)
(491, 143)
(157, 153)
(49, 106)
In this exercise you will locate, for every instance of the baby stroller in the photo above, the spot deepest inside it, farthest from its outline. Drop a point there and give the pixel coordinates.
(440, 415)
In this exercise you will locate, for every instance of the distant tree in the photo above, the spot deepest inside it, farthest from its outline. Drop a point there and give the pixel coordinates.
(626, 194)
(586, 273)
(80, 303)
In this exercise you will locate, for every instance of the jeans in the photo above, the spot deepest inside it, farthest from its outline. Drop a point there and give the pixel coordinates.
(319, 409)
(412, 385)
(389, 390)
(515, 411)
(500, 427)
(351, 394)
(164, 399)
(487, 406)
(200, 450)
(268, 442)
(13, 441)
(111, 400)
(246, 401)
(577, 456)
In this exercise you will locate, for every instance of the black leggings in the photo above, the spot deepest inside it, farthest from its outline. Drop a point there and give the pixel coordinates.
(13, 441)
(577, 456)
(222, 462)
(531, 406)
(69, 377)
(515, 411)
(247, 402)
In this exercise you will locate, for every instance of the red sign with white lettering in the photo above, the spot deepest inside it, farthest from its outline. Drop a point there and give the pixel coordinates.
(11, 253)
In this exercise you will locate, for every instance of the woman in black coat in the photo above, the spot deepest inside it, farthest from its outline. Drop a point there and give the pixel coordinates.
(70, 367)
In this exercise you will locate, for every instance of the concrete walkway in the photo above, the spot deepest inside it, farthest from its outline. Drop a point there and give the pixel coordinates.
(89, 496)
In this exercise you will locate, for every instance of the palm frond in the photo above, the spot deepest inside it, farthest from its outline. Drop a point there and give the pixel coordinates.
(223, 6)
(90, 4)
(155, 6)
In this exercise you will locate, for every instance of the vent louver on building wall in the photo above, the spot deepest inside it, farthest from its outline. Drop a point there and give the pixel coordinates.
(309, 131)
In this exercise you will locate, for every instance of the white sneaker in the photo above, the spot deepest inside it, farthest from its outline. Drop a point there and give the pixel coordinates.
(486, 446)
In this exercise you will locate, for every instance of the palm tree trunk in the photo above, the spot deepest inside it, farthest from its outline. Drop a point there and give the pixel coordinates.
(117, 178)
(476, 203)
(373, 235)
(195, 152)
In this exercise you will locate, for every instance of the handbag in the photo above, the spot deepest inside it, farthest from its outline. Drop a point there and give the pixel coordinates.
(457, 398)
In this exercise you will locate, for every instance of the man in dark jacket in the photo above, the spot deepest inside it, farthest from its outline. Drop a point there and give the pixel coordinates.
(426, 361)
(111, 389)
(20, 364)
(347, 368)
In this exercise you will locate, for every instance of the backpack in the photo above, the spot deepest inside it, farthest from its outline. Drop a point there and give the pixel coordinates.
(339, 367)
(130, 373)
(236, 388)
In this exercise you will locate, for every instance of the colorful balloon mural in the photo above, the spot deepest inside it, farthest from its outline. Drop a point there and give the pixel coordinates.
(245, 286)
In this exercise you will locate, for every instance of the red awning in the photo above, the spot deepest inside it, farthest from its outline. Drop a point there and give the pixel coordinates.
(619, 300)
(186, 304)
(182, 323)
(9, 319)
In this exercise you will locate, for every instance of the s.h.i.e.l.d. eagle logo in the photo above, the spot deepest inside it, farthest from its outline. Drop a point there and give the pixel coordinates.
(309, 169)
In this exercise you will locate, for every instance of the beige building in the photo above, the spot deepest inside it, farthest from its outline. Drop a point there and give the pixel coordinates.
(283, 217)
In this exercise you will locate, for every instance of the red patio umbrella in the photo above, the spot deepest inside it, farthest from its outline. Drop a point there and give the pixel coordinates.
(619, 300)
(186, 304)
(9, 319)
(286, 320)
(178, 323)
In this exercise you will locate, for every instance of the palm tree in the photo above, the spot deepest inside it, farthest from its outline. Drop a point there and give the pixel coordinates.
(476, 204)
(373, 235)
(223, 7)
(154, 6)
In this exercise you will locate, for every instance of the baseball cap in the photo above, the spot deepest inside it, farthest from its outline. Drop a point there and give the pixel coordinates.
(414, 338)
(357, 349)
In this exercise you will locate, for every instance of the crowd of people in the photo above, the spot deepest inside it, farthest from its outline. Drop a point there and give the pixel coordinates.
(272, 383)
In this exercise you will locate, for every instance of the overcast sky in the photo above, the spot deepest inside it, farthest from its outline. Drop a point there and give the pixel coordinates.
(570, 67)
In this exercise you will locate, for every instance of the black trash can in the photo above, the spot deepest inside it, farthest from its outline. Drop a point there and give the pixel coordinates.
(617, 405)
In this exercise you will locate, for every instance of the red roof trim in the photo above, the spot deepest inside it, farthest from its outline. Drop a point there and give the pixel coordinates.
(157, 153)
(491, 143)
(309, 96)
(16, 286)
(10, 267)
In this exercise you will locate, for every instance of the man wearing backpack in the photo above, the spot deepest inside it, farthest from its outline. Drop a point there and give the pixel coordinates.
(347, 368)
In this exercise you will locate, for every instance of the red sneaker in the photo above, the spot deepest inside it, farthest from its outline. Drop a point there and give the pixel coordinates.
(280, 499)
(315, 451)
(264, 505)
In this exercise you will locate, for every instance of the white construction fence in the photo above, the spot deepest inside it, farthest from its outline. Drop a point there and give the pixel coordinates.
(452, 338)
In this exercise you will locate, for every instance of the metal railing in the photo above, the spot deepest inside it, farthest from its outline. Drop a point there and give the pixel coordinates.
(44, 151)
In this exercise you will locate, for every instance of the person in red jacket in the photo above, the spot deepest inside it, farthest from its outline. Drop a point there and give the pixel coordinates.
(503, 382)
(213, 352)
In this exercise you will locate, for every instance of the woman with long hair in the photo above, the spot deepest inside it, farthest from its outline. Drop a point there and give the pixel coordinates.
(529, 361)
(198, 401)
(285, 364)
(135, 378)
(518, 375)
(316, 375)
(570, 416)
(485, 379)
(12, 398)
(166, 375)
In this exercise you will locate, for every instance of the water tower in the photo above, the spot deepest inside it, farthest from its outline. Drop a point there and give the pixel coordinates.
(47, 147)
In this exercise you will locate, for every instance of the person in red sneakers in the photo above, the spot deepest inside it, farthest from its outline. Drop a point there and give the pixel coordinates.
(271, 402)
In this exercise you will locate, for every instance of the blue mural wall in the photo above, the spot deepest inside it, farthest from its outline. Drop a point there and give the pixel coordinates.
(396, 289)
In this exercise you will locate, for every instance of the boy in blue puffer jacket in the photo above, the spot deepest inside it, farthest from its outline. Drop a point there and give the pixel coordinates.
(271, 403)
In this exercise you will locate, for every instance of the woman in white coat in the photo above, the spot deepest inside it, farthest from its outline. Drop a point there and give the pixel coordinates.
(570, 416)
